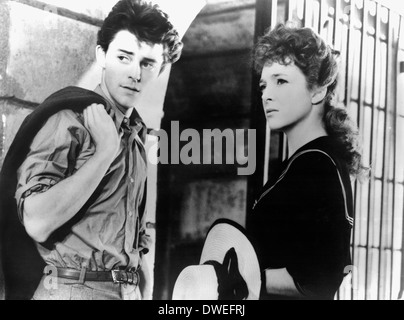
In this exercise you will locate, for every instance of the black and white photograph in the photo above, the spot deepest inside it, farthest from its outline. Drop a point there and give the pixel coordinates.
(200, 154)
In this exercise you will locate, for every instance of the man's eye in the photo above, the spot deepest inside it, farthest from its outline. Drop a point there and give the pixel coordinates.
(262, 87)
(148, 65)
(123, 58)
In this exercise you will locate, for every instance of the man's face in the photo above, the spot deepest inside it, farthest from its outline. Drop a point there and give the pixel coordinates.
(129, 67)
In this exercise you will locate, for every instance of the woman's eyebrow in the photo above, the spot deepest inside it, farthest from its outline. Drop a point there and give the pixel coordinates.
(279, 75)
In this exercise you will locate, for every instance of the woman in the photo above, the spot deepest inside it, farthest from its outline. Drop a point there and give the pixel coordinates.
(301, 223)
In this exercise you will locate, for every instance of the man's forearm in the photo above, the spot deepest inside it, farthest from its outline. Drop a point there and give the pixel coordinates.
(47, 211)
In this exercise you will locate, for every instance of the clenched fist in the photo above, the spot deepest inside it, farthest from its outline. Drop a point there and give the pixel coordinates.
(102, 130)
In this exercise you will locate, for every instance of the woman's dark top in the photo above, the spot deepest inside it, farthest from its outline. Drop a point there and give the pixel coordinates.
(303, 219)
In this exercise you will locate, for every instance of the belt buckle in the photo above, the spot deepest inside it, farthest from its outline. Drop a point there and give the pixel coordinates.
(122, 276)
(116, 276)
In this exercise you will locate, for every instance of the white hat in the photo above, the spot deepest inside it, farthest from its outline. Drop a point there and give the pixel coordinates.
(226, 249)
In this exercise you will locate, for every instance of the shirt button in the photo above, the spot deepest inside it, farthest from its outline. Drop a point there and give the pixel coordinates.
(132, 180)
(130, 213)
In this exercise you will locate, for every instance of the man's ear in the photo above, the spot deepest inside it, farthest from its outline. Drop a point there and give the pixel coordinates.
(100, 55)
(318, 95)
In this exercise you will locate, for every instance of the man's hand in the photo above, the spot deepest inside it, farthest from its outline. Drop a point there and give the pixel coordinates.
(102, 129)
(46, 212)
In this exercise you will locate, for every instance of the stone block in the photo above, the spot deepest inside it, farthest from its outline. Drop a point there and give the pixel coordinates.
(11, 117)
(94, 8)
(42, 52)
(181, 12)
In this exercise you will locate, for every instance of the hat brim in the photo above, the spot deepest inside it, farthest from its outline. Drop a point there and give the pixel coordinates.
(224, 235)
(198, 282)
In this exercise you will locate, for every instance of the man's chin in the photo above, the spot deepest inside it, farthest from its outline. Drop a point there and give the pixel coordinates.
(127, 104)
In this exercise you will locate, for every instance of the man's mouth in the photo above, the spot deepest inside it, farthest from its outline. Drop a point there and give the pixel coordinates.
(133, 89)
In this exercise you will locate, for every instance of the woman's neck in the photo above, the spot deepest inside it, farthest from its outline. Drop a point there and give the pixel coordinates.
(303, 134)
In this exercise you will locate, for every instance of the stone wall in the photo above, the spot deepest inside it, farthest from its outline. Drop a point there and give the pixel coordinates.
(45, 46)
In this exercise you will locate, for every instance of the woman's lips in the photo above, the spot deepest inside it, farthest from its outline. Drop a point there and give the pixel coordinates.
(270, 111)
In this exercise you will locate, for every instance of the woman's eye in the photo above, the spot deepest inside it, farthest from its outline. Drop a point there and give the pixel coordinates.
(262, 87)
(281, 81)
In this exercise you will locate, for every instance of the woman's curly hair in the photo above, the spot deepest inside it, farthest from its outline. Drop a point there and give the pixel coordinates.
(318, 62)
(147, 22)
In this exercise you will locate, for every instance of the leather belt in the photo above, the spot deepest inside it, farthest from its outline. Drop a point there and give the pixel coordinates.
(116, 276)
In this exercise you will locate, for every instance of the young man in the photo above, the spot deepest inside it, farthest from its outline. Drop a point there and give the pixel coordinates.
(81, 188)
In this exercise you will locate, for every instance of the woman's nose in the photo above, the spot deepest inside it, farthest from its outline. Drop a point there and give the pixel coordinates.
(267, 94)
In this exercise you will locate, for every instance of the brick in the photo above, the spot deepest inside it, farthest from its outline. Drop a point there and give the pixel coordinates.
(44, 52)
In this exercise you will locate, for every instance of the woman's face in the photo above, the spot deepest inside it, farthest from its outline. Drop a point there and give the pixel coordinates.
(286, 99)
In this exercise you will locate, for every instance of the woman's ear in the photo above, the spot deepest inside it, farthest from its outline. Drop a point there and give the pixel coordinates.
(318, 95)
(100, 55)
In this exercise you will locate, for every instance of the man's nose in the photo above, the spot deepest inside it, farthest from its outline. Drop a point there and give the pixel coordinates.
(136, 72)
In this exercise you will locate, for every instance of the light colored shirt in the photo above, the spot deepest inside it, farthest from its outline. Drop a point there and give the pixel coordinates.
(111, 232)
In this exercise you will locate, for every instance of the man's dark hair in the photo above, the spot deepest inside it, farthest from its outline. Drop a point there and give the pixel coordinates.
(147, 22)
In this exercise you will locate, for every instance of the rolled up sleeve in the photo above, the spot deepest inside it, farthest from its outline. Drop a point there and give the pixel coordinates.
(53, 156)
